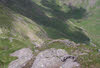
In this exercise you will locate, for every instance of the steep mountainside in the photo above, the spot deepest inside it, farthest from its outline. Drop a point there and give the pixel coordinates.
(71, 25)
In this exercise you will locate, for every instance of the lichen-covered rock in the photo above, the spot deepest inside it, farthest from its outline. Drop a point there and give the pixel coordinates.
(54, 58)
(24, 55)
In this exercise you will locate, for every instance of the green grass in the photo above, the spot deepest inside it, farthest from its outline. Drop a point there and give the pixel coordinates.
(92, 24)
(7, 47)
(8, 29)
(5, 19)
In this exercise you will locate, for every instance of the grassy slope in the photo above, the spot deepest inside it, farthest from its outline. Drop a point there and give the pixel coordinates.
(54, 20)
(7, 47)
(63, 29)
(11, 27)
(92, 24)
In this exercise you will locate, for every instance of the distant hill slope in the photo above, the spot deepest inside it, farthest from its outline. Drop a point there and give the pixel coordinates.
(48, 17)
(92, 24)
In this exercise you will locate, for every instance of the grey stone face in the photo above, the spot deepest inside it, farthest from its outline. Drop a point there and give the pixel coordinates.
(24, 55)
(52, 58)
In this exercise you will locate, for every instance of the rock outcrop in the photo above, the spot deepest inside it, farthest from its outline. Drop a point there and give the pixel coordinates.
(50, 58)
(54, 58)
(24, 55)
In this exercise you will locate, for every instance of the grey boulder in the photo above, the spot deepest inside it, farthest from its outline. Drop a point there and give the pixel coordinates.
(54, 58)
(24, 55)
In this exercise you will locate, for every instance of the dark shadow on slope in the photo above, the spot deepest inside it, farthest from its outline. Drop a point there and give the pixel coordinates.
(55, 26)
(5, 19)
(55, 9)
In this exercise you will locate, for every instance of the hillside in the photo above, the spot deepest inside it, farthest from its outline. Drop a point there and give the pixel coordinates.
(72, 25)
(92, 25)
